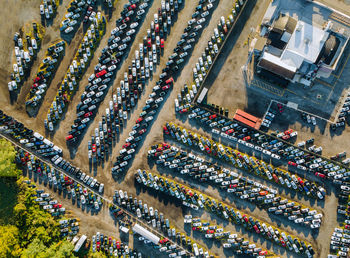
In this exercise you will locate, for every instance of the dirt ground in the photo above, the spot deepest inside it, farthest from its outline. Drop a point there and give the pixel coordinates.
(227, 74)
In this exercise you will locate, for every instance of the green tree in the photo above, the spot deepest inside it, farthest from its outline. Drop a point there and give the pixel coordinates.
(7, 156)
(61, 249)
(9, 239)
(97, 255)
(35, 249)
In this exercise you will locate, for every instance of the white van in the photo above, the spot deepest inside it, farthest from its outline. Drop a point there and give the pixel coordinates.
(38, 136)
(47, 142)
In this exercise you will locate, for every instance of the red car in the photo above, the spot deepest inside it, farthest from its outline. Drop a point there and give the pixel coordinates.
(126, 20)
(37, 79)
(132, 7)
(149, 43)
(245, 218)
(256, 229)
(126, 145)
(94, 148)
(320, 175)
(286, 137)
(162, 43)
(301, 182)
(69, 137)
(230, 131)
(103, 72)
(88, 114)
(247, 138)
(139, 120)
(212, 116)
(156, 27)
(166, 87)
(289, 131)
(165, 129)
(185, 110)
(275, 178)
(291, 163)
(163, 241)
(142, 131)
(263, 252)
(169, 81)
(165, 145)
(263, 193)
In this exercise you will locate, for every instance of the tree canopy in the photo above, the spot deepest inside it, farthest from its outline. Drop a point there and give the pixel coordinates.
(33, 232)
(7, 156)
(30, 231)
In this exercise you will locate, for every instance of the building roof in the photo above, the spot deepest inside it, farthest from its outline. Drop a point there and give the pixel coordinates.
(284, 23)
(275, 65)
(307, 41)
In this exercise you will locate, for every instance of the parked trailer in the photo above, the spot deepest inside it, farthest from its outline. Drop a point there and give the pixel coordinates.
(146, 234)
(80, 243)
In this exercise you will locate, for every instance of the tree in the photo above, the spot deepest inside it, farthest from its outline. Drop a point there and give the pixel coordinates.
(7, 156)
(9, 239)
(35, 249)
(61, 249)
(97, 255)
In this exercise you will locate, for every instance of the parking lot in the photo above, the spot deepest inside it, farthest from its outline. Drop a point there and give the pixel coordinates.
(227, 88)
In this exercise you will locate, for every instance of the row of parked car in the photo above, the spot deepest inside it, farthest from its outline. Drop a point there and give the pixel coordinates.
(195, 199)
(68, 227)
(75, 71)
(344, 113)
(244, 161)
(28, 138)
(188, 38)
(26, 50)
(59, 181)
(110, 61)
(237, 243)
(43, 147)
(340, 242)
(48, 8)
(242, 187)
(340, 239)
(205, 62)
(77, 10)
(138, 74)
(271, 146)
(44, 76)
(113, 247)
(156, 220)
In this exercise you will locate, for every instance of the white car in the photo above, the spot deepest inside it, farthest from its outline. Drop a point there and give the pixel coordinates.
(130, 32)
(111, 68)
(68, 30)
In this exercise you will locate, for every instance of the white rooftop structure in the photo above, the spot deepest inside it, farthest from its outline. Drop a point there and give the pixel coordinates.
(306, 41)
(146, 234)
(280, 62)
